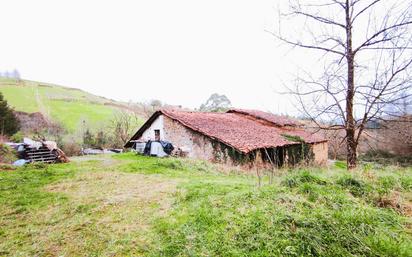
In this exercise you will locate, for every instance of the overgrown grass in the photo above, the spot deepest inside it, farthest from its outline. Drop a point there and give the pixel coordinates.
(386, 158)
(304, 215)
(178, 207)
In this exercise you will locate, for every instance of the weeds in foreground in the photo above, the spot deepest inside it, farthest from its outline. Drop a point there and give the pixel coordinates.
(309, 212)
(136, 205)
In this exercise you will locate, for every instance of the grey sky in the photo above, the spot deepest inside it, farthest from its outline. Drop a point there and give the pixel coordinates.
(177, 51)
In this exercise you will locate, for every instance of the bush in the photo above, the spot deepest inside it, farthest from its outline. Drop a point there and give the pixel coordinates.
(356, 187)
(378, 153)
(7, 154)
(406, 183)
(174, 164)
(303, 177)
(7, 167)
(310, 190)
(71, 148)
(385, 185)
(386, 158)
(36, 166)
(17, 138)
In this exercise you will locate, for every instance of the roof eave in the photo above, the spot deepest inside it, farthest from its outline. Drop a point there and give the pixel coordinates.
(143, 128)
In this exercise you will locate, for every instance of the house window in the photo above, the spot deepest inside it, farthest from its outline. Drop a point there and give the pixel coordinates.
(157, 134)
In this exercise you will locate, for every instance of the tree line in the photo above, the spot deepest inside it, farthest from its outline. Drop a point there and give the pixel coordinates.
(14, 74)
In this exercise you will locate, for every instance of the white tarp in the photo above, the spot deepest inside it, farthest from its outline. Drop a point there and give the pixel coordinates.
(156, 149)
(51, 145)
(32, 143)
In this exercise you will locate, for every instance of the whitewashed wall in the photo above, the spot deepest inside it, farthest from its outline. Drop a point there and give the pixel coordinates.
(149, 133)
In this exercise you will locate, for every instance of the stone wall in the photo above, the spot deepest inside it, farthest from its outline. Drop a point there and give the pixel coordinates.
(199, 146)
(320, 151)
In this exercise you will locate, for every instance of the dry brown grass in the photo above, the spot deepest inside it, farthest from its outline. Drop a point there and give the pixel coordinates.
(106, 213)
(111, 203)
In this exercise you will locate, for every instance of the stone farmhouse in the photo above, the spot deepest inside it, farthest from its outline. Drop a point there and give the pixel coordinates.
(246, 138)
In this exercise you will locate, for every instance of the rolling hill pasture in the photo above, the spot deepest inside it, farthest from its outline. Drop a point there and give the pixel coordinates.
(67, 106)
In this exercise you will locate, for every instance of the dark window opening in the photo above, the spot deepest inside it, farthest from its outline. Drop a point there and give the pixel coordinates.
(274, 156)
(157, 134)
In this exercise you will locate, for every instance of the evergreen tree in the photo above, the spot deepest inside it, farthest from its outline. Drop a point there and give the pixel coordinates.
(9, 124)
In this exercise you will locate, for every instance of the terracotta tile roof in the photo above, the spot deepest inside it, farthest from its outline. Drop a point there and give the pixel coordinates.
(242, 133)
(275, 119)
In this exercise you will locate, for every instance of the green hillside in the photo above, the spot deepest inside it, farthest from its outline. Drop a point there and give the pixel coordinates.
(68, 106)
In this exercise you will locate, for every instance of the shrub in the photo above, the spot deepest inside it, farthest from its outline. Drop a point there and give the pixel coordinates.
(174, 164)
(71, 148)
(356, 187)
(303, 177)
(385, 185)
(17, 138)
(310, 190)
(7, 167)
(378, 153)
(37, 166)
(7, 154)
(406, 183)
(386, 158)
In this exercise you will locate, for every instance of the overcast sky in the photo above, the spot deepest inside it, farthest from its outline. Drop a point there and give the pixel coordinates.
(178, 51)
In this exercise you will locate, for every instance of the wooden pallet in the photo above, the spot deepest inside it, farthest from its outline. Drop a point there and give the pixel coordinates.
(43, 154)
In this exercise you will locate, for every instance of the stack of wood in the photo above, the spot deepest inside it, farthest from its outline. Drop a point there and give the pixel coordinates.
(45, 152)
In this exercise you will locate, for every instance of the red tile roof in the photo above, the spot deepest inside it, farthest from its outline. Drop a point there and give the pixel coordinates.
(275, 119)
(240, 132)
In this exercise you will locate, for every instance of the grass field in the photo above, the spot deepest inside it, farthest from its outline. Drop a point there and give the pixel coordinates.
(133, 205)
(67, 106)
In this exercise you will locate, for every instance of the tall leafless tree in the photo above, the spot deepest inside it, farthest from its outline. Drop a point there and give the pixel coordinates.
(365, 53)
(123, 125)
(148, 108)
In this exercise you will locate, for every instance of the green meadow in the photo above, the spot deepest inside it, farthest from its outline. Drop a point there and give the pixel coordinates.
(67, 106)
(129, 205)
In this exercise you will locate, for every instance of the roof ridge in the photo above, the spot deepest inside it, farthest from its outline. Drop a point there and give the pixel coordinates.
(234, 130)
(277, 120)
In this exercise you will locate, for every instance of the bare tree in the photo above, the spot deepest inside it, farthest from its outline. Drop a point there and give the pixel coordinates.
(148, 108)
(123, 125)
(402, 107)
(16, 74)
(335, 142)
(365, 54)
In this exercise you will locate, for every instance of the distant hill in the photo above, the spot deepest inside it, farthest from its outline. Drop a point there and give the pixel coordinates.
(65, 105)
